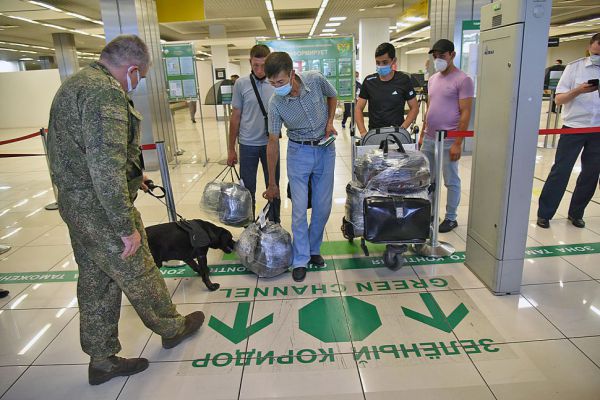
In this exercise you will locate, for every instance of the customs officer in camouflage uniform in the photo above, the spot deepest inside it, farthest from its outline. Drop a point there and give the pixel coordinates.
(96, 164)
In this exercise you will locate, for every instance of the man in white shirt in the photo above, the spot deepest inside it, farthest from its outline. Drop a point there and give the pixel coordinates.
(578, 91)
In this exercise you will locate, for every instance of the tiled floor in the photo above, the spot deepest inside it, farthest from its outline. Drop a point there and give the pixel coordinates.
(430, 330)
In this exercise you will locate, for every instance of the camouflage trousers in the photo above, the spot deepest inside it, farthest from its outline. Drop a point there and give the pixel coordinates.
(104, 276)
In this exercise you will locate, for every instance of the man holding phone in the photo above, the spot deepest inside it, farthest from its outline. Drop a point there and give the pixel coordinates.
(305, 103)
(577, 90)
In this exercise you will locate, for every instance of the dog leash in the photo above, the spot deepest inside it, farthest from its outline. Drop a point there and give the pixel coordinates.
(151, 186)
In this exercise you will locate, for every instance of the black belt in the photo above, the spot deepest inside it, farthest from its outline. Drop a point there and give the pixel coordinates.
(307, 142)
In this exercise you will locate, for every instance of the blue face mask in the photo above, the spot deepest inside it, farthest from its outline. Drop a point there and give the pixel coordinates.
(284, 90)
(384, 70)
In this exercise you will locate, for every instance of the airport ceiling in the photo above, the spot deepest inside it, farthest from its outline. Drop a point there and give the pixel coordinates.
(26, 26)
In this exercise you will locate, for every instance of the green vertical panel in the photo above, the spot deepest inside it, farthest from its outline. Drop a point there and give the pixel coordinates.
(179, 64)
(334, 57)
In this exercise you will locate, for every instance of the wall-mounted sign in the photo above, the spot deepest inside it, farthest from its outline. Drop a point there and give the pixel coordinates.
(180, 70)
(333, 57)
(220, 73)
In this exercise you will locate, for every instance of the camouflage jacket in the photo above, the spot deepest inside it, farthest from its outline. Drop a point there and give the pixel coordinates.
(93, 144)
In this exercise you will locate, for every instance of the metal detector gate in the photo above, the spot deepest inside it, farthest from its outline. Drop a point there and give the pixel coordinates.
(514, 36)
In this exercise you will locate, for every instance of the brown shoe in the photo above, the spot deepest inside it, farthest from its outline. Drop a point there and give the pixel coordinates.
(115, 366)
(193, 322)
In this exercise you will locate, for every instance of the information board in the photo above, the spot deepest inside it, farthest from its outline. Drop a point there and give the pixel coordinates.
(180, 70)
(333, 57)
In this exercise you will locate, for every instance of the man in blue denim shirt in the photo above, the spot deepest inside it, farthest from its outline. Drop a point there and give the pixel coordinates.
(299, 103)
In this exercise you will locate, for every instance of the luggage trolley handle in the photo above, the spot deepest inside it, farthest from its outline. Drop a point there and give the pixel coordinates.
(385, 144)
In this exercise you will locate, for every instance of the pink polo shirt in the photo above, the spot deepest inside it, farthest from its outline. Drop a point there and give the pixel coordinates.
(444, 93)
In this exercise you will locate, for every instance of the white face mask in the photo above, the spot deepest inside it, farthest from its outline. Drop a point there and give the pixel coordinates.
(595, 59)
(130, 88)
(440, 65)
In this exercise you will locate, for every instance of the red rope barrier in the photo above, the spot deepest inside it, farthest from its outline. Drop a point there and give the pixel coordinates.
(455, 134)
(31, 135)
(151, 146)
(564, 131)
(568, 131)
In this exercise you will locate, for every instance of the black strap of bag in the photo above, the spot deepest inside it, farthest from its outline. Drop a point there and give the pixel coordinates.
(260, 103)
(228, 170)
(385, 144)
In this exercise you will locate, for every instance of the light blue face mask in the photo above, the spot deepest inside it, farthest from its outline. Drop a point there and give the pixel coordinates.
(383, 70)
(284, 90)
(595, 59)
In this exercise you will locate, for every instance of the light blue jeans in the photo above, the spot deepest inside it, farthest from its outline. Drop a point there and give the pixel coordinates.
(302, 161)
(450, 172)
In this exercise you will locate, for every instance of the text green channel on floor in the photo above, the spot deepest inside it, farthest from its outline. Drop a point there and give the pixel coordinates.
(339, 264)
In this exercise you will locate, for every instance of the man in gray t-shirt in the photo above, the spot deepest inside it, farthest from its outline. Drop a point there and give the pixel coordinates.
(248, 124)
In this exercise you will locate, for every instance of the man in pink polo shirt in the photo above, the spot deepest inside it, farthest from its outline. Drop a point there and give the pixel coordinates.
(449, 108)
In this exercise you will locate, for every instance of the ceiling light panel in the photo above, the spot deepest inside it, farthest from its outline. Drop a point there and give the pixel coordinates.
(319, 15)
(48, 6)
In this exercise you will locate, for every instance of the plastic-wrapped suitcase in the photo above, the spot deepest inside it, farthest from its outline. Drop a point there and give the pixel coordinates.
(396, 219)
(227, 202)
(265, 247)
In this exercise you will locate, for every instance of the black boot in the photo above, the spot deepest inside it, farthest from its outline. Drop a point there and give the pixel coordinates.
(103, 371)
(193, 322)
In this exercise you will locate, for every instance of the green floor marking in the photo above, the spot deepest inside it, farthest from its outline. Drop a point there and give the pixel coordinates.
(438, 319)
(339, 264)
(336, 248)
(240, 331)
(325, 319)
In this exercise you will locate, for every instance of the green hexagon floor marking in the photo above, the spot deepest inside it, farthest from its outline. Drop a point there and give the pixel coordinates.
(325, 319)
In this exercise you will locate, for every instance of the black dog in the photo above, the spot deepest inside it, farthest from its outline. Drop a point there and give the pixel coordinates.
(171, 242)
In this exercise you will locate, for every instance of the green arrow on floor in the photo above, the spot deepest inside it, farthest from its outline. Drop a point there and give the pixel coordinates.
(438, 319)
(240, 331)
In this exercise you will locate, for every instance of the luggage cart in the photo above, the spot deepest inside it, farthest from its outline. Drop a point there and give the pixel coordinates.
(393, 255)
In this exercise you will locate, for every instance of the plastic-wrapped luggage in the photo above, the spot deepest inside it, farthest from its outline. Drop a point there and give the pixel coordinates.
(400, 171)
(227, 202)
(355, 197)
(265, 248)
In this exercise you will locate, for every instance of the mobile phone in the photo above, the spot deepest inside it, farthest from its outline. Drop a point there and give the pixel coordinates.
(327, 141)
(593, 82)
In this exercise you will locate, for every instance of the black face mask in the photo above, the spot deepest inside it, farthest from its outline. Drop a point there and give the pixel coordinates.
(257, 78)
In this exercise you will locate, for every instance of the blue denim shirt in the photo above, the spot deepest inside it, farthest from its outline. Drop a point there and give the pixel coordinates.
(304, 116)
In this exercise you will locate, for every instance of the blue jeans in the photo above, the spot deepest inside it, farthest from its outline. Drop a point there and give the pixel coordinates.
(450, 171)
(249, 158)
(302, 161)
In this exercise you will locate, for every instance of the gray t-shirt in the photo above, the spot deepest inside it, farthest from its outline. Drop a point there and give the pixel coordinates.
(252, 123)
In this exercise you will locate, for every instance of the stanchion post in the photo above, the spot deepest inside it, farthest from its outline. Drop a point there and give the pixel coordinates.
(166, 180)
(439, 171)
(226, 121)
(556, 117)
(352, 141)
(202, 123)
(548, 117)
(434, 247)
(51, 206)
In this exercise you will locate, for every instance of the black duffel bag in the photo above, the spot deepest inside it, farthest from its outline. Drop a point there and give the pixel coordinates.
(396, 219)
